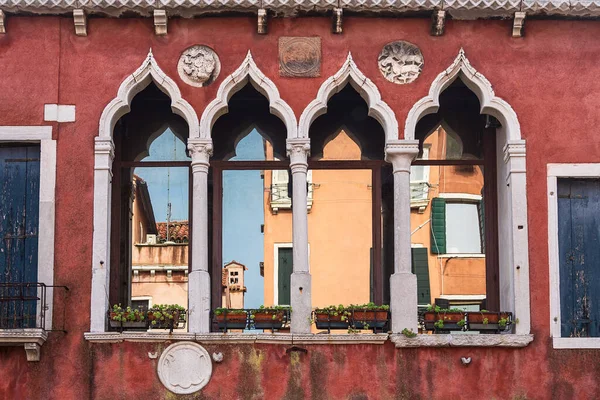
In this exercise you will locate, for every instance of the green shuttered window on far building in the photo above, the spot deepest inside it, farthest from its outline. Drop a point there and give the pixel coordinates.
(438, 225)
(420, 267)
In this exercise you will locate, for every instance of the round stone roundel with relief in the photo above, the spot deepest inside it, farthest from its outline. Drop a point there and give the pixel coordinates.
(199, 66)
(184, 367)
(400, 62)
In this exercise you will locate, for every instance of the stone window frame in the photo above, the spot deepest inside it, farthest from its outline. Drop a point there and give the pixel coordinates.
(399, 152)
(33, 338)
(511, 170)
(554, 172)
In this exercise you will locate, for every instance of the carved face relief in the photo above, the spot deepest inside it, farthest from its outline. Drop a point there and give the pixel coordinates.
(199, 66)
(400, 62)
(184, 367)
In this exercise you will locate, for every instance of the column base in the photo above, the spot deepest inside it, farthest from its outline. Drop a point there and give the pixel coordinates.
(301, 302)
(404, 301)
(198, 302)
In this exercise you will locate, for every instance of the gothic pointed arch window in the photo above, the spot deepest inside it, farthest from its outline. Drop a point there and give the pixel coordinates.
(150, 216)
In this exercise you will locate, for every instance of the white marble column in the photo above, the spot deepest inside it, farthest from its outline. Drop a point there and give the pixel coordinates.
(298, 150)
(199, 278)
(403, 283)
(104, 153)
(514, 156)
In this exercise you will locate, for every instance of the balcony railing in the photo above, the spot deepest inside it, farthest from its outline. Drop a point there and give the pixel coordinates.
(24, 305)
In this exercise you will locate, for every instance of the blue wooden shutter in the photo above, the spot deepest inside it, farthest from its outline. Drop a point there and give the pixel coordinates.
(438, 225)
(19, 218)
(579, 256)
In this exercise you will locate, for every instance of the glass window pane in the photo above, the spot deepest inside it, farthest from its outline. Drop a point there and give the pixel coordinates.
(462, 228)
(160, 236)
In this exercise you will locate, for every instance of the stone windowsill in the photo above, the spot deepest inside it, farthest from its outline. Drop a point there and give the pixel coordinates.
(30, 339)
(236, 338)
(462, 340)
(400, 341)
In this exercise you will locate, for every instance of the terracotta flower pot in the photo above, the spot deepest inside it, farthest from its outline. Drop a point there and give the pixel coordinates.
(371, 318)
(232, 320)
(268, 319)
(327, 320)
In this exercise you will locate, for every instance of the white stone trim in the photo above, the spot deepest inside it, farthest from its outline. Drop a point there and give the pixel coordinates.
(463, 9)
(349, 73)
(457, 197)
(463, 296)
(490, 104)
(462, 340)
(47, 206)
(400, 341)
(512, 187)
(148, 72)
(238, 338)
(30, 339)
(556, 171)
(59, 113)
(247, 71)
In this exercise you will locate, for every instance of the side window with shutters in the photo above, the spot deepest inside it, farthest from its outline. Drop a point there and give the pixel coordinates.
(579, 256)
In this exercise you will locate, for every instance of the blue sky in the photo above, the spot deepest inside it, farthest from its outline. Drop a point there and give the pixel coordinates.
(167, 147)
(243, 216)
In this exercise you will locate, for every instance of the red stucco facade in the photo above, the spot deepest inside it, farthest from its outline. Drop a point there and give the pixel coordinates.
(548, 77)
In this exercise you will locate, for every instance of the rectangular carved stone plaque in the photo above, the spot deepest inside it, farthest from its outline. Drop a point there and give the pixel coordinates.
(300, 57)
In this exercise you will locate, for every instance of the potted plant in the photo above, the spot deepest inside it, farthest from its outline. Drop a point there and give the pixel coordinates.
(487, 321)
(127, 317)
(443, 319)
(231, 318)
(331, 317)
(166, 316)
(273, 317)
(369, 316)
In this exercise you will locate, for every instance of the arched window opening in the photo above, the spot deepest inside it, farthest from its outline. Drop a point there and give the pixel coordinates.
(454, 221)
(150, 216)
(251, 209)
(350, 224)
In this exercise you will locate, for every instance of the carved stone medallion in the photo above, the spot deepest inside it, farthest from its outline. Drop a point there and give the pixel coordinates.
(300, 57)
(184, 367)
(400, 62)
(199, 66)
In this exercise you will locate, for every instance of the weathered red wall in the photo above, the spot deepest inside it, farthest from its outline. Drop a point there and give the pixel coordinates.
(549, 77)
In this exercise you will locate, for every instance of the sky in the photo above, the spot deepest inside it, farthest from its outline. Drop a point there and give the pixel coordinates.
(167, 147)
(243, 216)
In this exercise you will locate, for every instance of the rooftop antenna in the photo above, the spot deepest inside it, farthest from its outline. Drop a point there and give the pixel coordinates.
(169, 188)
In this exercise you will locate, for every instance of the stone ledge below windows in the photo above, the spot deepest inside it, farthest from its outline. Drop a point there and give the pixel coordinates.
(30, 339)
(462, 340)
(236, 338)
(400, 341)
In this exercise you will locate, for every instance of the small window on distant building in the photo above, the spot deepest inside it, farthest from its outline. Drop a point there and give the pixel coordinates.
(463, 234)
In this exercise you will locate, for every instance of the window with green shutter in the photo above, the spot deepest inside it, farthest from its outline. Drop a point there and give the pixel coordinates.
(420, 267)
(438, 225)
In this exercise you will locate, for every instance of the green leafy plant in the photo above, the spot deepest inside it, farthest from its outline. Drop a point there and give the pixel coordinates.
(222, 310)
(502, 322)
(165, 314)
(439, 324)
(486, 321)
(333, 311)
(127, 314)
(408, 333)
(461, 323)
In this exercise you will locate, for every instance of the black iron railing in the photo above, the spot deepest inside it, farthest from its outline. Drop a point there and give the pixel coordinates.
(24, 305)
